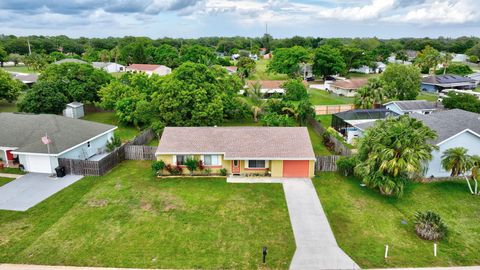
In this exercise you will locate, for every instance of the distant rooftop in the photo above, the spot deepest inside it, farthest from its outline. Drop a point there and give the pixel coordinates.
(446, 79)
(70, 60)
(144, 67)
(414, 105)
(350, 83)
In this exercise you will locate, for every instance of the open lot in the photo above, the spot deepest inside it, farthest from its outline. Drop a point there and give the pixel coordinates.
(322, 97)
(262, 74)
(365, 221)
(128, 218)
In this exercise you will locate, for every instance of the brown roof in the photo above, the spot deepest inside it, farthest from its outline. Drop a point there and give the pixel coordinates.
(273, 143)
(231, 68)
(350, 84)
(270, 84)
(144, 67)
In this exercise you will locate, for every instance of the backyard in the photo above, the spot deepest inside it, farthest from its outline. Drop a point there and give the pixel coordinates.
(124, 132)
(365, 221)
(128, 218)
(262, 74)
(322, 97)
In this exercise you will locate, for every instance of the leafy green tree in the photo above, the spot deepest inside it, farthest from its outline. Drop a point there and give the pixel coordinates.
(354, 57)
(392, 152)
(328, 61)
(475, 50)
(43, 97)
(300, 111)
(272, 119)
(288, 60)
(401, 81)
(56, 56)
(197, 54)
(401, 55)
(371, 94)
(257, 100)
(246, 67)
(15, 58)
(36, 62)
(133, 53)
(9, 87)
(459, 162)
(428, 59)
(165, 55)
(295, 90)
(3, 56)
(462, 101)
(456, 68)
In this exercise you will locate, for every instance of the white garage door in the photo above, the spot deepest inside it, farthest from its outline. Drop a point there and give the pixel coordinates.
(38, 164)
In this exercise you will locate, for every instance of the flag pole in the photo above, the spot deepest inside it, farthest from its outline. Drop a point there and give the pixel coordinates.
(48, 144)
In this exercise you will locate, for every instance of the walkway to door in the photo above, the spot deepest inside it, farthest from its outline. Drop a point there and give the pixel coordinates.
(316, 244)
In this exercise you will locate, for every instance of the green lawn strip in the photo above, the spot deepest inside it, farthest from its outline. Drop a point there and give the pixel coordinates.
(125, 132)
(131, 219)
(427, 96)
(325, 120)
(352, 75)
(5, 180)
(365, 221)
(322, 97)
(21, 69)
(11, 170)
(317, 142)
(262, 74)
(153, 142)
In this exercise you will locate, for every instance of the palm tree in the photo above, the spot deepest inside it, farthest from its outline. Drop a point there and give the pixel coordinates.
(115, 53)
(257, 98)
(458, 162)
(371, 94)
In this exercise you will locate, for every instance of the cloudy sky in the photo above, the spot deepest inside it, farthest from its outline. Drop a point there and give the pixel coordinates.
(285, 18)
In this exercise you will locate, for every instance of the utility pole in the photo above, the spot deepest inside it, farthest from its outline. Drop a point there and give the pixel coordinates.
(29, 49)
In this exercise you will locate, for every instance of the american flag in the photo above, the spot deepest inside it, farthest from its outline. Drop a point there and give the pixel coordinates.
(46, 140)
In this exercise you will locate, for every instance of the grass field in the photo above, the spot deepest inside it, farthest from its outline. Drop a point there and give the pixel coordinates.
(365, 221)
(4, 180)
(128, 218)
(361, 75)
(11, 170)
(317, 142)
(325, 120)
(21, 69)
(321, 97)
(262, 74)
(427, 96)
(124, 132)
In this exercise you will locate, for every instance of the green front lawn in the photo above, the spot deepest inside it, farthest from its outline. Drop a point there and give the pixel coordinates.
(11, 170)
(128, 218)
(124, 132)
(262, 74)
(322, 97)
(365, 221)
(4, 180)
(7, 107)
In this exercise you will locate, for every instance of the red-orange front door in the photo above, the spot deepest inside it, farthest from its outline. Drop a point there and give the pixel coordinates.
(296, 168)
(235, 166)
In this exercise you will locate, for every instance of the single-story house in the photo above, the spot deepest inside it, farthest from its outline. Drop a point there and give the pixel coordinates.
(231, 69)
(475, 76)
(274, 151)
(402, 107)
(267, 88)
(109, 67)
(24, 137)
(346, 123)
(363, 69)
(348, 87)
(27, 78)
(459, 58)
(437, 83)
(70, 60)
(454, 128)
(150, 69)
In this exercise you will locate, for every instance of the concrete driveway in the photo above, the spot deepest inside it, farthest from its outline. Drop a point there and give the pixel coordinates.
(31, 189)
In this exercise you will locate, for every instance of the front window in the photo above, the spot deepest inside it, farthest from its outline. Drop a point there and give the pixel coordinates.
(211, 160)
(253, 164)
(180, 159)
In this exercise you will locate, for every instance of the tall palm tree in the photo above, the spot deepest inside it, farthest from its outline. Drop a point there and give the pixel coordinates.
(371, 94)
(115, 53)
(257, 99)
(458, 162)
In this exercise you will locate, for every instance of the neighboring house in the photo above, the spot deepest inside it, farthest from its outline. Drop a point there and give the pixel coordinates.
(268, 88)
(150, 69)
(74, 110)
(21, 140)
(347, 88)
(109, 67)
(347, 123)
(393, 59)
(379, 68)
(231, 69)
(413, 106)
(475, 77)
(437, 83)
(411, 54)
(454, 128)
(70, 60)
(459, 58)
(28, 79)
(274, 151)
(445, 92)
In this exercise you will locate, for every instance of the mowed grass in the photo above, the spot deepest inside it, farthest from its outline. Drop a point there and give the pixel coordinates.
(365, 221)
(427, 96)
(124, 132)
(21, 69)
(5, 180)
(7, 107)
(325, 120)
(262, 74)
(317, 142)
(322, 97)
(128, 218)
(11, 170)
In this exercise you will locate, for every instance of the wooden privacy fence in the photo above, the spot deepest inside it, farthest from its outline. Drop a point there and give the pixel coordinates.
(326, 163)
(140, 152)
(338, 146)
(128, 151)
(331, 109)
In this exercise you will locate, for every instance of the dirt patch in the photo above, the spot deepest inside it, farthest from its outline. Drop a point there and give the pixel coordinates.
(97, 203)
(146, 206)
(169, 207)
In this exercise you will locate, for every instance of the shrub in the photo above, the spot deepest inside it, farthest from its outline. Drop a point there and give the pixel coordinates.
(430, 226)
(273, 119)
(174, 169)
(223, 172)
(346, 165)
(157, 167)
(207, 171)
(191, 164)
(113, 143)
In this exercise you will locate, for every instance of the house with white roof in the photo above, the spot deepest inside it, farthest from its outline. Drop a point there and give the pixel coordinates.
(149, 69)
(402, 107)
(109, 67)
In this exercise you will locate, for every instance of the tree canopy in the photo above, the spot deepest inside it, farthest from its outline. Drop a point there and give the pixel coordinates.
(43, 97)
(9, 87)
(401, 81)
(328, 61)
(462, 101)
(287, 60)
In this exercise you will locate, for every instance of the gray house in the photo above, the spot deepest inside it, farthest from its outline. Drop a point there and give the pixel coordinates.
(24, 137)
(402, 107)
(437, 83)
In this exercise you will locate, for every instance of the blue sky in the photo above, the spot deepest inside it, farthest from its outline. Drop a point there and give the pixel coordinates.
(285, 18)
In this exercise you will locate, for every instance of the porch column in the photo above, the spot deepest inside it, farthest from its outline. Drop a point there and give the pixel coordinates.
(5, 158)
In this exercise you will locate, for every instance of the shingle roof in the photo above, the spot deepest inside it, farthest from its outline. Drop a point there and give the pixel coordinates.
(450, 123)
(350, 84)
(280, 143)
(70, 60)
(446, 79)
(270, 84)
(144, 67)
(412, 105)
(25, 131)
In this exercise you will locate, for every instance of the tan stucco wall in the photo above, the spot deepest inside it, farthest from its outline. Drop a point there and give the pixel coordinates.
(312, 168)
(276, 168)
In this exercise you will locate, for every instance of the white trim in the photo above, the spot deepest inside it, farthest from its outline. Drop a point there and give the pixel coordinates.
(458, 134)
(234, 158)
(219, 159)
(268, 158)
(69, 149)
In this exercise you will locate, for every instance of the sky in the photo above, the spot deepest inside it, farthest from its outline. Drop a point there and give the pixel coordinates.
(201, 18)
